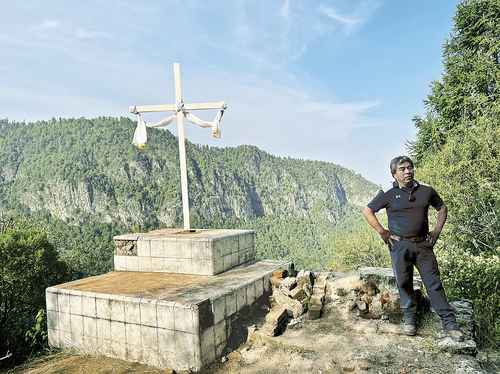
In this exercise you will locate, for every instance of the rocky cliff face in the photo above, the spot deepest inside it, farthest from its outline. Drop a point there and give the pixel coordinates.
(73, 169)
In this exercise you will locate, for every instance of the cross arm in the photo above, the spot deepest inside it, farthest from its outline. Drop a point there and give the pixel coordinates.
(171, 107)
(200, 106)
(152, 108)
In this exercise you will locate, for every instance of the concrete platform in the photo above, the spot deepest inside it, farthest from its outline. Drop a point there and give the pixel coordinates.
(204, 252)
(161, 319)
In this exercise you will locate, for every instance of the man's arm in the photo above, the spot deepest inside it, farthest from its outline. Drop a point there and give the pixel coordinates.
(373, 221)
(440, 221)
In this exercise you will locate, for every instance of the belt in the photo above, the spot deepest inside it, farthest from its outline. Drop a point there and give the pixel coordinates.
(415, 239)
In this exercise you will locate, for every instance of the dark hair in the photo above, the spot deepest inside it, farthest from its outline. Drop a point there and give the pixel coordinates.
(398, 161)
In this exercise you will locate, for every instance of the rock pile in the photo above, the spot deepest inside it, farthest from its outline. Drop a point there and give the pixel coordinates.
(372, 294)
(296, 294)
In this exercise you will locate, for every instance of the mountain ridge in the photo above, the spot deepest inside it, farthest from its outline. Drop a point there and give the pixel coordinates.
(95, 170)
(84, 181)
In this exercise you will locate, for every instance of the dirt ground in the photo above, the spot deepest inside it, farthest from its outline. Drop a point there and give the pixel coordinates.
(327, 345)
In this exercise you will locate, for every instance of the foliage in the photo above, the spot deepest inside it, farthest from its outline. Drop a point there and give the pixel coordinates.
(478, 278)
(84, 180)
(28, 265)
(457, 151)
(353, 245)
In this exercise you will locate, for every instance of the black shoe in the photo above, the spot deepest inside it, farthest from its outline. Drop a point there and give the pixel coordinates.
(455, 334)
(409, 329)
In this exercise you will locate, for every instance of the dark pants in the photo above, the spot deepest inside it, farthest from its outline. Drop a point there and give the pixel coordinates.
(406, 254)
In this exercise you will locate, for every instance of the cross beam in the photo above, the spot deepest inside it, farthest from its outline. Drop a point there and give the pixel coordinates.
(180, 107)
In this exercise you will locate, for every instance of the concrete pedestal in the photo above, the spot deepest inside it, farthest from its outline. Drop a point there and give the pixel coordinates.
(164, 320)
(204, 252)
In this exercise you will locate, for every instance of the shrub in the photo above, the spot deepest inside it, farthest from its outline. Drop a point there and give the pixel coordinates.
(28, 265)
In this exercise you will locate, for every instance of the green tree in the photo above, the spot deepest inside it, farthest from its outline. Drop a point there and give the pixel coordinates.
(28, 265)
(457, 151)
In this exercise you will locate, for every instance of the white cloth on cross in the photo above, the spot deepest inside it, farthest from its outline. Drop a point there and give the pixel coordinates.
(215, 124)
(141, 135)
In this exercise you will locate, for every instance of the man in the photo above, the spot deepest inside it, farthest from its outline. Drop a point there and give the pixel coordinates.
(410, 242)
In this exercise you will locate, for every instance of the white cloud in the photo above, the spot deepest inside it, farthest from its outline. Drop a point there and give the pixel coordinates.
(330, 12)
(353, 17)
(85, 34)
(50, 24)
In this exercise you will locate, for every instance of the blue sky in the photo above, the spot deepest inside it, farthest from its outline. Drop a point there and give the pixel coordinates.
(329, 80)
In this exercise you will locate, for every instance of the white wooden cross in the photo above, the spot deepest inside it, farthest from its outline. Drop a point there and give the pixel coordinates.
(181, 111)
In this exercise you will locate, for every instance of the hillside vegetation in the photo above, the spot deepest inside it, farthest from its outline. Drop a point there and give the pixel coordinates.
(85, 178)
(457, 150)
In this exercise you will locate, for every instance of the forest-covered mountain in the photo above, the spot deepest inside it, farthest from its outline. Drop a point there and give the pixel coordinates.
(84, 175)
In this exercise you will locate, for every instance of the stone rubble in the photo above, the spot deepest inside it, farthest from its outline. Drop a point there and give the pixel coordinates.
(301, 295)
(369, 295)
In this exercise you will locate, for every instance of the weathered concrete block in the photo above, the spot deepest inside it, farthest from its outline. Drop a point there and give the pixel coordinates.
(181, 321)
(157, 264)
(231, 303)
(234, 259)
(149, 337)
(220, 332)
(89, 306)
(117, 310)
(219, 309)
(218, 265)
(51, 300)
(89, 326)
(145, 264)
(208, 346)
(64, 322)
(184, 320)
(166, 340)
(90, 344)
(144, 248)
(134, 353)
(183, 248)
(151, 357)
(118, 349)
(187, 346)
(52, 320)
(251, 293)
(103, 329)
(132, 263)
(241, 297)
(156, 248)
(53, 337)
(132, 312)
(165, 315)
(120, 263)
(103, 308)
(148, 312)
(75, 304)
(118, 331)
(211, 251)
(267, 283)
(76, 329)
(228, 261)
(201, 249)
(259, 287)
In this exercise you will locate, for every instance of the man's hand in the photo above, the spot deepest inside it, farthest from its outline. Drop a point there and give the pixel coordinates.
(385, 235)
(432, 238)
(372, 220)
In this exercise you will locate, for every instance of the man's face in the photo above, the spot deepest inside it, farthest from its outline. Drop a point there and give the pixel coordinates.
(404, 173)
